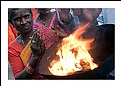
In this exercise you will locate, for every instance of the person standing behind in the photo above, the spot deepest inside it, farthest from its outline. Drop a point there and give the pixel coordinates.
(77, 17)
(107, 16)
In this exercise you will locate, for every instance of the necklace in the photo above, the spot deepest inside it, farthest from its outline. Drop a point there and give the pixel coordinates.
(22, 40)
(23, 43)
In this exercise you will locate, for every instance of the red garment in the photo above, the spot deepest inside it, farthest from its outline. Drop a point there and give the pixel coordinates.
(13, 30)
(12, 33)
(35, 13)
(11, 36)
(15, 49)
(46, 32)
(48, 36)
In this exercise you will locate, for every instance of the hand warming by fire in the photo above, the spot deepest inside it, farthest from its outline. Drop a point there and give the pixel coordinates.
(73, 54)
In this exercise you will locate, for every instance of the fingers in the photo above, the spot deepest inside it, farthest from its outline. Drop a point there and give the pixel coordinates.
(55, 29)
(91, 13)
(76, 11)
(59, 28)
(38, 40)
(64, 13)
(32, 40)
(37, 44)
(42, 46)
(59, 31)
(35, 38)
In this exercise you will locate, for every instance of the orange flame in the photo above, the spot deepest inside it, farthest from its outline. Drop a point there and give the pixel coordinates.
(73, 54)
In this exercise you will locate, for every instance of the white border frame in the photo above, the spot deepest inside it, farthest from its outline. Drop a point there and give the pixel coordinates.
(58, 4)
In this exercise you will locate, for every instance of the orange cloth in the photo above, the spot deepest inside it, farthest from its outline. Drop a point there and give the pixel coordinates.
(26, 53)
(11, 36)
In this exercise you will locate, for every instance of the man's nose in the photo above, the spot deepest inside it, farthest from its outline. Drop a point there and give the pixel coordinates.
(23, 21)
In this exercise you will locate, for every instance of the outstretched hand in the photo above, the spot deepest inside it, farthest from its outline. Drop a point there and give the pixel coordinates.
(59, 31)
(37, 45)
(76, 11)
(91, 13)
(64, 14)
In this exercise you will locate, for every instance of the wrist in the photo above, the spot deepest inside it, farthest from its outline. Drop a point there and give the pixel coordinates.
(29, 69)
(36, 57)
(33, 62)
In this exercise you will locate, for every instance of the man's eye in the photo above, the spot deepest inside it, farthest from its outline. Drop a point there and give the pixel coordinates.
(26, 17)
(17, 19)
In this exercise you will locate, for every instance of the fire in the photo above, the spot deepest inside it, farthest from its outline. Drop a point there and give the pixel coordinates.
(73, 55)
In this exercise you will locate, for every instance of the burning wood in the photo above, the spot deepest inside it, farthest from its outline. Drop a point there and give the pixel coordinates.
(72, 55)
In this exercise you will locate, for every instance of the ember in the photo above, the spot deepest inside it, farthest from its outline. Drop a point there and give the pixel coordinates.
(73, 55)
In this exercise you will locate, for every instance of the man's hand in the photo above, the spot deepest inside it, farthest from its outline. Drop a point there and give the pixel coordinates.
(91, 13)
(64, 14)
(76, 11)
(37, 45)
(59, 31)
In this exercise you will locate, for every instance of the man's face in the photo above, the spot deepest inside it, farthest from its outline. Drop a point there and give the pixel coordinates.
(22, 20)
